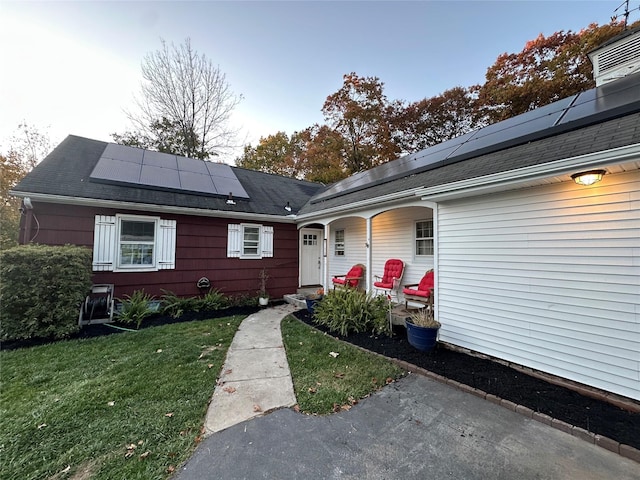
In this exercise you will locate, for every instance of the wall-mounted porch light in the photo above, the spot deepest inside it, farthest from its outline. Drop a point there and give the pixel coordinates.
(588, 178)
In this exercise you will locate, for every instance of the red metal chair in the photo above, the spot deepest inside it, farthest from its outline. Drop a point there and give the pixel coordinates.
(390, 280)
(420, 292)
(351, 279)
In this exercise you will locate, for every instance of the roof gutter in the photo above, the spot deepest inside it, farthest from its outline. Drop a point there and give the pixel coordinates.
(361, 205)
(120, 205)
(513, 178)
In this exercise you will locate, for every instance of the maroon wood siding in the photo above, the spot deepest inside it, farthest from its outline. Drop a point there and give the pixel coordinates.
(201, 251)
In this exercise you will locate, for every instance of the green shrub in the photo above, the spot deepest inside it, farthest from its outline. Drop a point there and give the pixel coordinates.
(175, 306)
(213, 300)
(41, 290)
(349, 310)
(135, 308)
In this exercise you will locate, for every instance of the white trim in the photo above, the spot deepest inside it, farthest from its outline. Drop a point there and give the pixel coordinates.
(160, 209)
(153, 267)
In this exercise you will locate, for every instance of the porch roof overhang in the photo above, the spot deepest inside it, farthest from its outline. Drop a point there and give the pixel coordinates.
(121, 205)
(615, 160)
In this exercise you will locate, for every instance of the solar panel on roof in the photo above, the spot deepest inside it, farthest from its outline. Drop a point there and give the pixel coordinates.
(155, 170)
(596, 105)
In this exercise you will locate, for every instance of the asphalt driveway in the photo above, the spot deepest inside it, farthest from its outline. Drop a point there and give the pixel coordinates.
(413, 429)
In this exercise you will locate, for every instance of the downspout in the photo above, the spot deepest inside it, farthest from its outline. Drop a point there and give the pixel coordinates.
(436, 255)
(369, 255)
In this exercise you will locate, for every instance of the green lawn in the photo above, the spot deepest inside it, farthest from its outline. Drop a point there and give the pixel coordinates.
(325, 382)
(85, 404)
(131, 406)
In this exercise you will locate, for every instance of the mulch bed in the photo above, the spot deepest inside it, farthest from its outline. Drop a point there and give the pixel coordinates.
(594, 415)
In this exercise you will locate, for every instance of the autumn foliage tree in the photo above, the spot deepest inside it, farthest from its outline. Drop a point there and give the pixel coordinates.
(434, 120)
(363, 128)
(359, 111)
(547, 69)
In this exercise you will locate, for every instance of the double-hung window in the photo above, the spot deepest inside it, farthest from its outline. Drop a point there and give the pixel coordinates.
(424, 238)
(249, 241)
(136, 245)
(338, 246)
(126, 243)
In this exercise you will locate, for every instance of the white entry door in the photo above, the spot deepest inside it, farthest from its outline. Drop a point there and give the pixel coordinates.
(310, 256)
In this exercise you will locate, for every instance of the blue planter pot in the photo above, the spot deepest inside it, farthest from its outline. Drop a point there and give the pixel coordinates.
(422, 338)
(311, 304)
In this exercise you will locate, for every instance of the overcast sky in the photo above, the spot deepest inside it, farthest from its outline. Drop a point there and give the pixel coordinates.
(73, 67)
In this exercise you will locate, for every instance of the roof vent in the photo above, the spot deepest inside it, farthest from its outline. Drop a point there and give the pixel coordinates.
(617, 58)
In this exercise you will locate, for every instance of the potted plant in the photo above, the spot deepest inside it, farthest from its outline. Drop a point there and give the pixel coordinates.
(263, 296)
(313, 298)
(422, 329)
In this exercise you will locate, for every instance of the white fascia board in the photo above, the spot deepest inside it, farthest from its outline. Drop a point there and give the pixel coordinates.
(512, 178)
(200, 212)
(385, 200)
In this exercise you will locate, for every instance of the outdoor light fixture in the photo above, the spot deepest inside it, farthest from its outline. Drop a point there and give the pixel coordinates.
(287, 207)
(230, 200)
(588, 178)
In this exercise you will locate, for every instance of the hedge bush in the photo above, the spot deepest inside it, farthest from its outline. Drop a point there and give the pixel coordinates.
(41, 290)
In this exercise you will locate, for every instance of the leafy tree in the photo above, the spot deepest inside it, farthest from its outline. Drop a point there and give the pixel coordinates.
(272, 155)
(359, 111)
(27, 147)
(434, 120)
(547, 69)
(320, 152)
(185, 105)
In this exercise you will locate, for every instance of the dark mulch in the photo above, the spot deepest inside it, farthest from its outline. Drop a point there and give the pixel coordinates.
(558, 402)
(99, 330)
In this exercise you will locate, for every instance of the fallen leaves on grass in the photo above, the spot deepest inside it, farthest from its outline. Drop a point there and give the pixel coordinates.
(312, 390)
(159, 350)
(171, 469)
(111, 404)
(339, 375)
(41, 426)
(334, 354)
(170, 414)
(144, 455)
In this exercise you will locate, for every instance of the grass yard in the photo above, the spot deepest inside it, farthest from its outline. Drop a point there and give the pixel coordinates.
(125, 406)
(325, 382)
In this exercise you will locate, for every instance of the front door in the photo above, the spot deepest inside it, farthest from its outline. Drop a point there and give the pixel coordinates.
(310, 257)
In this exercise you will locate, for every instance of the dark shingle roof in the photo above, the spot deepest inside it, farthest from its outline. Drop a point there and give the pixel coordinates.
(66, 170)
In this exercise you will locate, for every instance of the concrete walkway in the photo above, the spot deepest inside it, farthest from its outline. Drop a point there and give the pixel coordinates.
(255, 377)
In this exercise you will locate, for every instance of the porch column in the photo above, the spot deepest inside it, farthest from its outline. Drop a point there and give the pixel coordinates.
(369, 256)
(325, 256)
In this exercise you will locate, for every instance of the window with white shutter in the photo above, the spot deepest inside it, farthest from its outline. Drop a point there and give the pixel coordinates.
(249, 241)
(133, 243)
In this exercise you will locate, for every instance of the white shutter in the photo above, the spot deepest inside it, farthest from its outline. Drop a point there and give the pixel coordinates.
(234, 241)
(266, 241)
(104, 243)
(167, 245)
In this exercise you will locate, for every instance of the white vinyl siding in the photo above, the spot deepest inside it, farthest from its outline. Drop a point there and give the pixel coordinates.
(115, 249)
(394, 237)
(547, 277)
(248, 241)
(355, 237)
